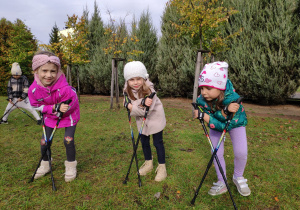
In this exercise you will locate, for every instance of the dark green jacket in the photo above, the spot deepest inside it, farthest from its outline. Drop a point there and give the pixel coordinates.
(217, 121)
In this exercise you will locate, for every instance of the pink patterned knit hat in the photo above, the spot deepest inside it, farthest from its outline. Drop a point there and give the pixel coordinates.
(42, 59)
(214, 75)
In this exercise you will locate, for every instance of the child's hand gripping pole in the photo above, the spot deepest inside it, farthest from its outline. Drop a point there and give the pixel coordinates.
(138, 139)
(48, 144)
(200, 117)
(127, 101)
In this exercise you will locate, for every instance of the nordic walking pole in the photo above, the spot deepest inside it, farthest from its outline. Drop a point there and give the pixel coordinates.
(138, 139)
(48, 144)
(216, 157)
(14, 104)
(127, 101)
(8, 110)
(214, 153)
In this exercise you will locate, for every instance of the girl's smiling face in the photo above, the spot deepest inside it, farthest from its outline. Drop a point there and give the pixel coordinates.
(210, 93)
(136, 82)
(47, 74)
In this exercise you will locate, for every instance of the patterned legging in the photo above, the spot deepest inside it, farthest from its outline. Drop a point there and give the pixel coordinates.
(68, 142)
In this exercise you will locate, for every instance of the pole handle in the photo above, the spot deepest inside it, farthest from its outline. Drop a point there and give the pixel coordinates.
(152, 95)
(239, 101)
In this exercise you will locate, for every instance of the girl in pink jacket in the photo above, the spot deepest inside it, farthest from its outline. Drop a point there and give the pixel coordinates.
(137, 86)
(46, 94)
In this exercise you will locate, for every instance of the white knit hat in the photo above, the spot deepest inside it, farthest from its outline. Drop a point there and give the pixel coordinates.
(135, 69)
(214, 75)
(15, 69)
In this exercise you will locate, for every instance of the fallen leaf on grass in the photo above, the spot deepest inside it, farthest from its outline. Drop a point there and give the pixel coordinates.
(276, 199)
(178, 192)
(87, 197)
(157, 195)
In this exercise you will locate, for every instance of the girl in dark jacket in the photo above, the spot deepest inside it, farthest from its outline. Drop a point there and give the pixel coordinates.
(217, 100)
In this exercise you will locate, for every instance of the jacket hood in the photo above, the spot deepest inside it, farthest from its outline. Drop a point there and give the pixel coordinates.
(230, 95)
(60, 82)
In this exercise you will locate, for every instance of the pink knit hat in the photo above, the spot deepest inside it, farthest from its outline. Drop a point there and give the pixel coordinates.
(214, 75)
(42, 59)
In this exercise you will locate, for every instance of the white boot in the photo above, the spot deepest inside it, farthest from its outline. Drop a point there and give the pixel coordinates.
(42, 170)
(71, 170)
(161, 172)
(146, 167)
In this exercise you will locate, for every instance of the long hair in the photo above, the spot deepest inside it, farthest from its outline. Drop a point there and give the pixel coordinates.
(217, 104)
(142, 92)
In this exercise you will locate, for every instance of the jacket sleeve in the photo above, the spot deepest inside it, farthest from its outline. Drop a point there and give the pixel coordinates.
(138, 110)
(9, 90)
(33, 101)
(69, 93)
(25, 88)
(216, 124)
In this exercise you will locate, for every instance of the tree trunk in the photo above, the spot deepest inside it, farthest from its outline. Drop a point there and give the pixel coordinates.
(112, 83)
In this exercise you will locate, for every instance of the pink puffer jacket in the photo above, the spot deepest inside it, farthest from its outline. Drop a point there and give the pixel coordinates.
(44, 98)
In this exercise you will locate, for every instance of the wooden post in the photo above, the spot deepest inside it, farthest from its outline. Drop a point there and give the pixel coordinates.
(117, 84)
(112, 83)
(199, 66)
(197, 72)
(67, 76)
(78, 87)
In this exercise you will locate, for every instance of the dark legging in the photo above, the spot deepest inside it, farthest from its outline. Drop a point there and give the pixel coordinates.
(68, 141)
(159, 145)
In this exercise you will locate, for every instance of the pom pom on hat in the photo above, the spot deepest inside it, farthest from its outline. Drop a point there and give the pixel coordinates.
(214, 75)
(135, 69)
(16, 69)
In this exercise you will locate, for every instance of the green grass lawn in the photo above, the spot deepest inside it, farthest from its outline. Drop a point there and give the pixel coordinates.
(104, 150)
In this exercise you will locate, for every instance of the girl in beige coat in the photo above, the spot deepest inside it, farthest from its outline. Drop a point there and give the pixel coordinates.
(138, 87)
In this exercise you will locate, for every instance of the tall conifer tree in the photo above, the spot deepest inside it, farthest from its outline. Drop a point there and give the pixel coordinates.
(175, 65)
(147, 43)
(54, 35)
(264, 59)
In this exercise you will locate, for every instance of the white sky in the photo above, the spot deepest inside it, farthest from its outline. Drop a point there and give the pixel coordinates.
(41, 15)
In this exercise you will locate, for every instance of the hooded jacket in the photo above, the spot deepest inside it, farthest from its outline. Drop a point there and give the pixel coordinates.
(217, 121)
(44, 98)
(156, 120)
